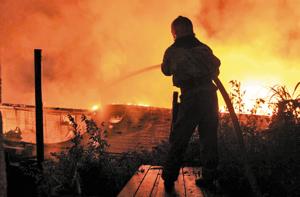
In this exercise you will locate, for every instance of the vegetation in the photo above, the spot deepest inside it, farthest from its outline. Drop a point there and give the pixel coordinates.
(86, 170)
(273, 155)
(287, 104)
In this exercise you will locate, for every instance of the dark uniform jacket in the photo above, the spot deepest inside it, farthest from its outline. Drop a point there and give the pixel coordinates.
(191, 63)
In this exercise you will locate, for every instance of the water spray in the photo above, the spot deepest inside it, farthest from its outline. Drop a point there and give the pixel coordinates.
(133, 74)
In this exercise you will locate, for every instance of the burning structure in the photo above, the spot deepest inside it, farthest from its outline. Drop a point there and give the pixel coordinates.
(20, 119)
(20, 133)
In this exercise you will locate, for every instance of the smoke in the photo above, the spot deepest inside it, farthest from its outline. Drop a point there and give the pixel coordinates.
(274, 23)
(258, 40)
(87, 44)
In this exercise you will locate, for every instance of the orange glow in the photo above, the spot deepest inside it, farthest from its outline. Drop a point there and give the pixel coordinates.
(222, 109)
(143, 104)
(253, 91)
(139, 104)
(87, 44)
(96, 107)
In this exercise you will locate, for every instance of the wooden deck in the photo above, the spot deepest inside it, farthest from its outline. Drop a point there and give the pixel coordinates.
(147, 181)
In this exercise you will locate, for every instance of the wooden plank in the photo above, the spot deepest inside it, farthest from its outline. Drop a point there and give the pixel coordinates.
(190, 175)
(180, 185)
(148, 183)
(158, 180)
(132, 186)
(159, 189)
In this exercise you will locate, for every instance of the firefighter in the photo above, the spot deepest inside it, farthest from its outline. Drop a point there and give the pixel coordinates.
(192, 66)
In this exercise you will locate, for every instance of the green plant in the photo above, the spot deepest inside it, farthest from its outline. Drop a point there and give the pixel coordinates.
(236, 96)
(86, 168)
(62, 174)
(287, 105)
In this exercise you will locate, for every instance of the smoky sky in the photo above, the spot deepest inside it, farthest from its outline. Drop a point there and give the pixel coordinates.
(251, 20)
(87, 44)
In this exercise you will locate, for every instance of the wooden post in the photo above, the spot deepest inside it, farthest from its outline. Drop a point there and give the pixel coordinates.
(175, 105)
(3, 180)
(38, 106)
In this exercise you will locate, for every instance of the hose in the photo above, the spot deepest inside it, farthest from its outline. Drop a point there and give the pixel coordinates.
(243, 153)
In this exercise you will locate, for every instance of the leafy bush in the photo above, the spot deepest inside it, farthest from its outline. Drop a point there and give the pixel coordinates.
(287, 104)
(86, 170)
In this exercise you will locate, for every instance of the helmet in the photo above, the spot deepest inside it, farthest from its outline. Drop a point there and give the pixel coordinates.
(182, 26)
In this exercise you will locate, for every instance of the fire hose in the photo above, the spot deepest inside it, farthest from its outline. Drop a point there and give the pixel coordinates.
(243, 152)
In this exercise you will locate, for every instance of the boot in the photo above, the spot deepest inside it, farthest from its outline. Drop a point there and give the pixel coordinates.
(208, 179)
(169, 186)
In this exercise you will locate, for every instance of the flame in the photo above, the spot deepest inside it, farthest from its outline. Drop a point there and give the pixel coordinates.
(96, 107)
(143, 104)
(139, 104)
(255, 99)
(222, 109)
(253, 91)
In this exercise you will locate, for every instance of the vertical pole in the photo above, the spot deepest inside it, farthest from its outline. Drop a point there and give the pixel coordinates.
(38, 106)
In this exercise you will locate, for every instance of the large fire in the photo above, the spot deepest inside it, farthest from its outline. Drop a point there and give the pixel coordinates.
(87, 44)
(96, 107)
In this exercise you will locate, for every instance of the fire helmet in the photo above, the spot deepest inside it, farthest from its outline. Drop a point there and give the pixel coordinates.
(182, 26)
